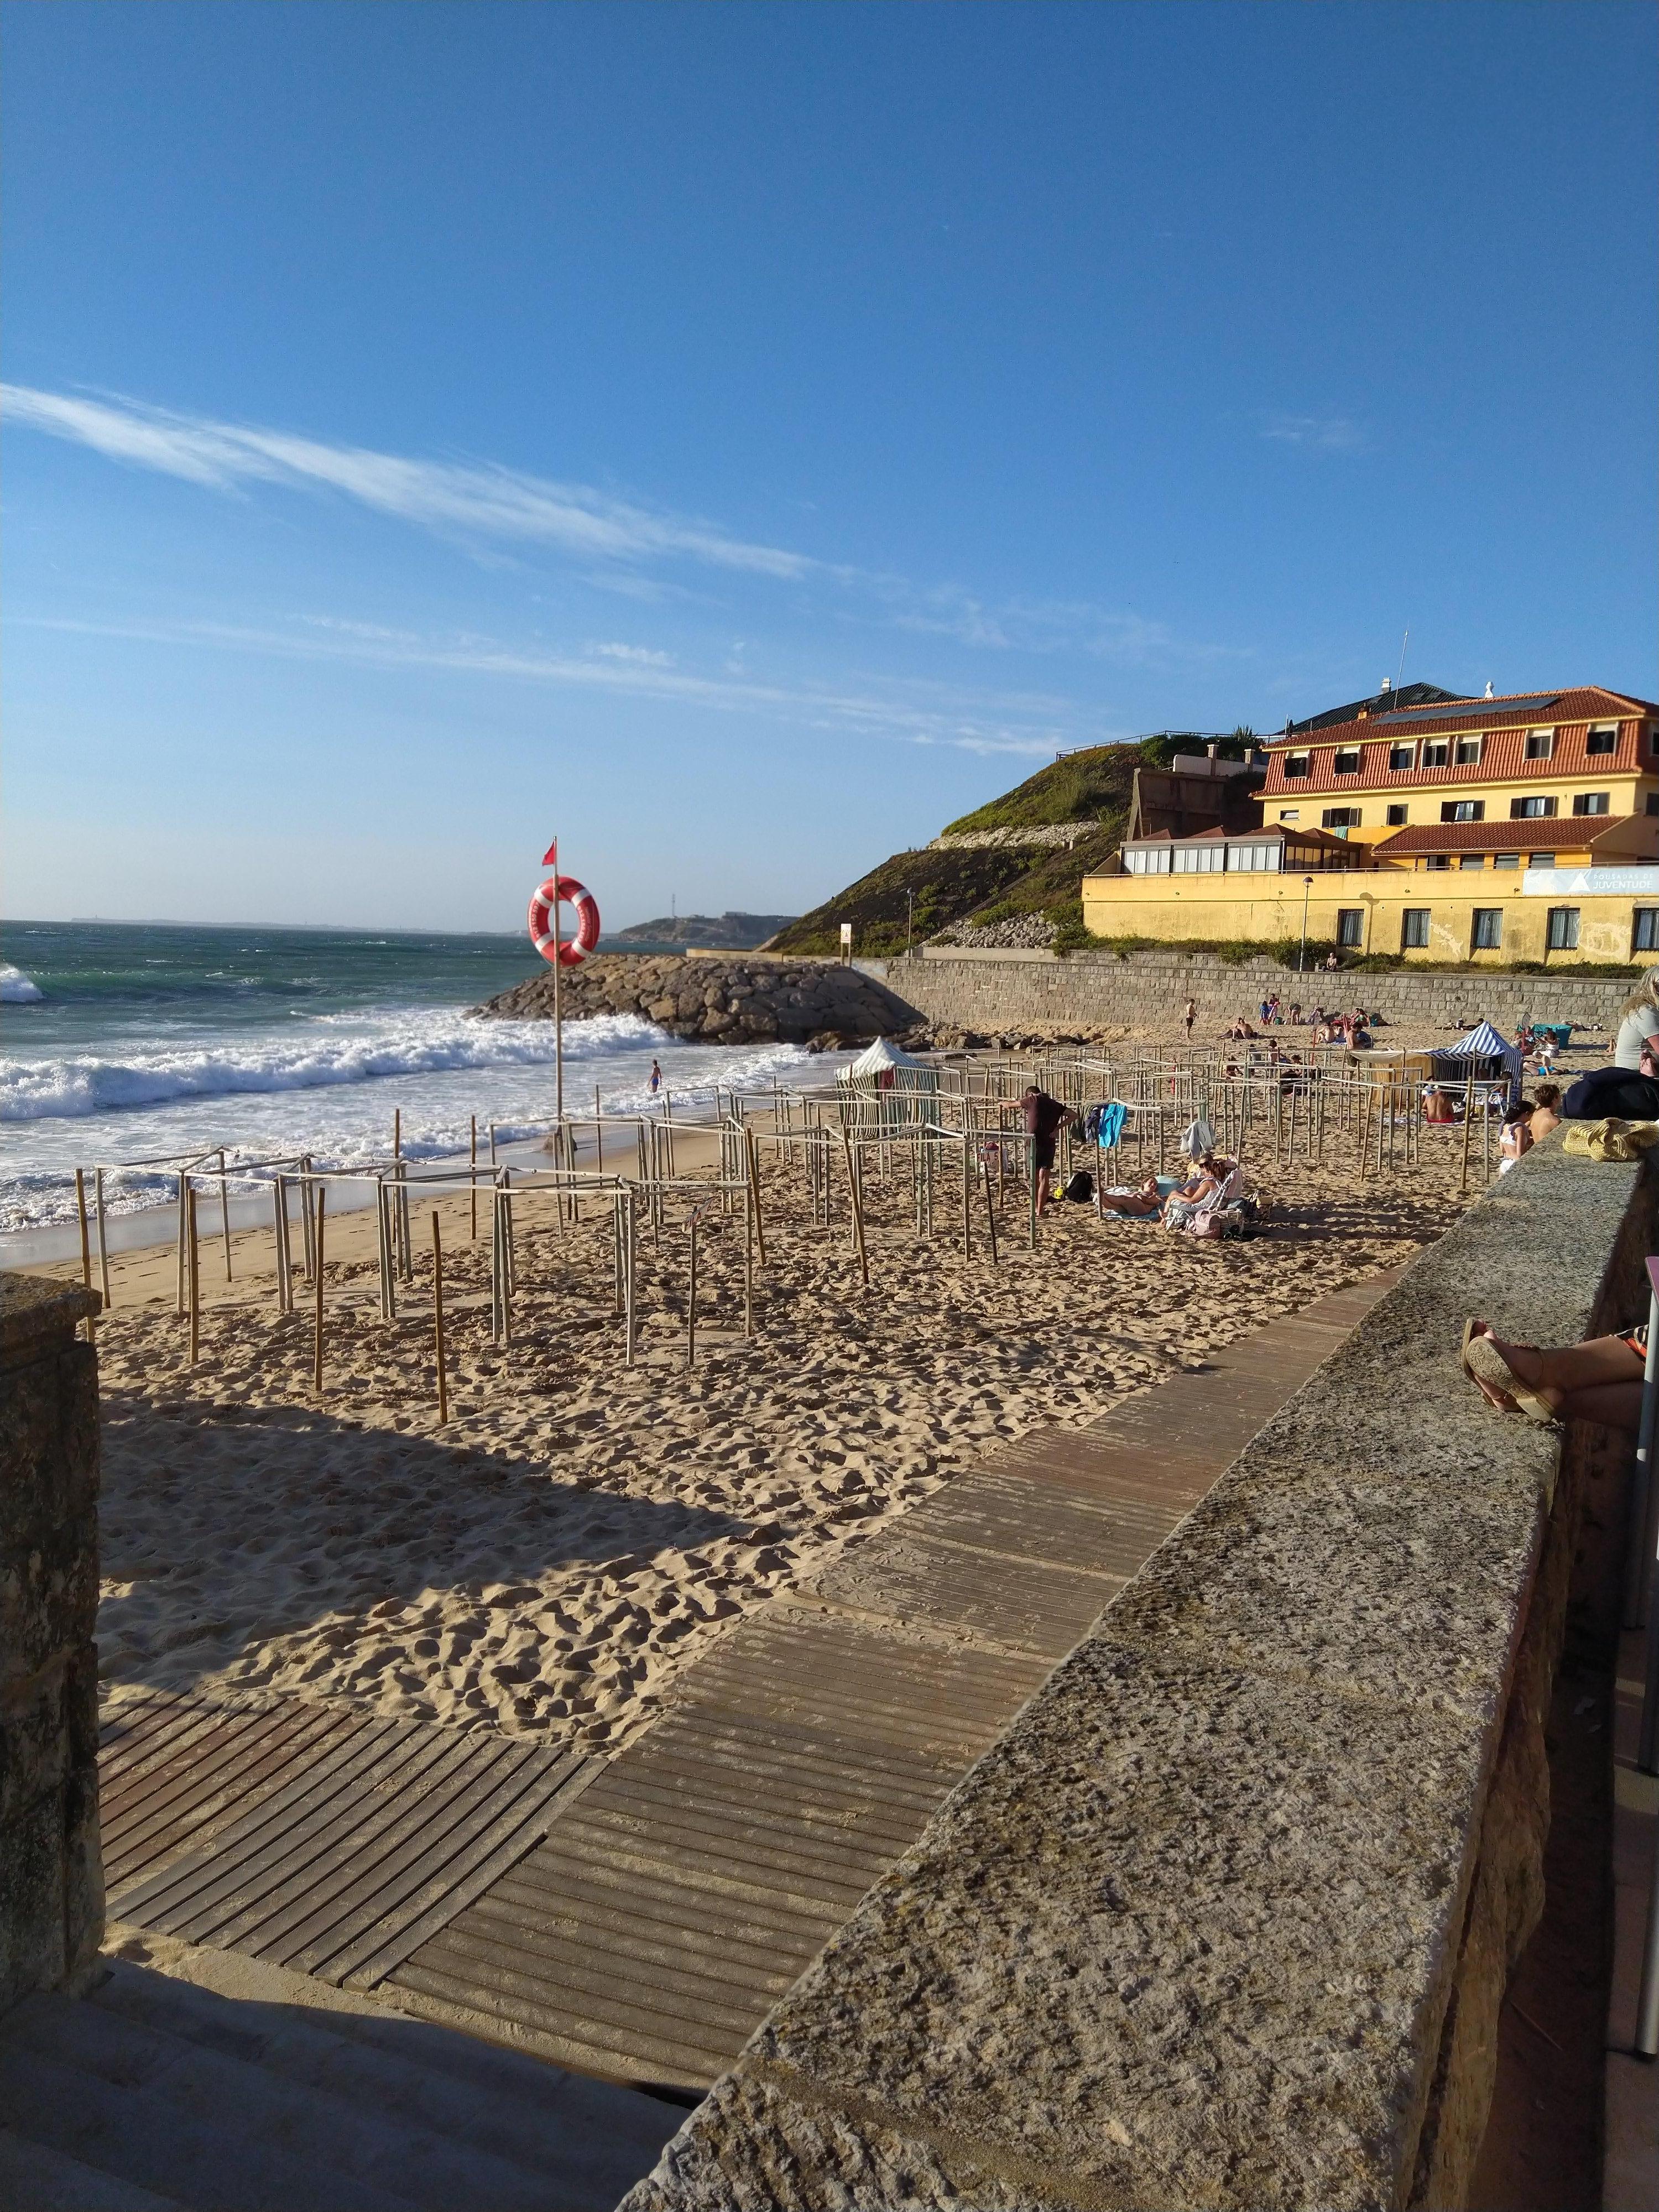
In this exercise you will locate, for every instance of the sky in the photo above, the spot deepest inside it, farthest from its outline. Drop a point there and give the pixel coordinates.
(741, 439)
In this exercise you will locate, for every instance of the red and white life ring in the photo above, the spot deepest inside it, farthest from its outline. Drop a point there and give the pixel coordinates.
(572, 950)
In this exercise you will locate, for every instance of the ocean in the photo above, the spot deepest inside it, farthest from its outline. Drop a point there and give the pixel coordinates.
(128, 1042)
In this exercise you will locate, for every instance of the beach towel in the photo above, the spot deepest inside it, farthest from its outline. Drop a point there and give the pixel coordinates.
(1109, 1130)
(1198, 1138)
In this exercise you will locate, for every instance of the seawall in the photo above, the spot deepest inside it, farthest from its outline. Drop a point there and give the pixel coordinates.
(1012, 990)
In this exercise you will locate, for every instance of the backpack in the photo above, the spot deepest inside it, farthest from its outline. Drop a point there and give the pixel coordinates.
(1081, 1187)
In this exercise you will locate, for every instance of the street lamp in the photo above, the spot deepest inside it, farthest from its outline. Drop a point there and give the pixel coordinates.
(1301, 962)
(910, 921)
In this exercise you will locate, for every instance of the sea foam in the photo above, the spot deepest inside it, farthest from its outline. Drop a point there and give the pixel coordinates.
(17, 990)
(333, 1050)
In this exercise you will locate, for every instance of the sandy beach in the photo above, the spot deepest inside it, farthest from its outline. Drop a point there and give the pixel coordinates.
(579, 1532)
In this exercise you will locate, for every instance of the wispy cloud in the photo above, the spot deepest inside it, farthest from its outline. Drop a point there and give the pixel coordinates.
(643, 656)
(482, 503)
(1323, 434)
(1035, 725)
(615, 546)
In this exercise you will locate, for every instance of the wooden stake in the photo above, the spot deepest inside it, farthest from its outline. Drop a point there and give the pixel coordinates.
(316, 1348)
(195, 1271)
(81, 1210)
(184, 1248)
(691, 1302)
(438, 1318)
(473, 1178)
(857, 1209)
(991, 1210)
(1469, 1118)
(103, 1241)
(396, 1132)
(224, 1210)
(752, 1152)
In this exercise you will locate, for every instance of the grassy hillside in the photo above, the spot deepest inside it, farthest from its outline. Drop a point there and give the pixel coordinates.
(980, 887)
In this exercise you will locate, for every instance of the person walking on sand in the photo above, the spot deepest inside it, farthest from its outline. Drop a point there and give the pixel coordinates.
(1189, 1014)
(656, 1079)
(1045, 1117)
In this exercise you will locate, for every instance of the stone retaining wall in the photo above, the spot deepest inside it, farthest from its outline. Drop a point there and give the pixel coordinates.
(51, 1888)
(1226, 1918)
(1096, 990)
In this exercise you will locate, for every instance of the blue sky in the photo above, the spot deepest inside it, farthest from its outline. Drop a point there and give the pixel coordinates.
(742, 438)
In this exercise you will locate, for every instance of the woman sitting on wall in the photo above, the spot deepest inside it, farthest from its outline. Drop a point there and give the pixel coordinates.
(1640, 1022)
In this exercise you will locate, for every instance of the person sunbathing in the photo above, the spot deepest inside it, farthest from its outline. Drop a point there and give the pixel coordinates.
(1597, 1381)
(1145, 1201)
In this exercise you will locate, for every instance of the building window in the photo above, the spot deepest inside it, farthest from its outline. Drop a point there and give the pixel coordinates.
(1471, 859)
(1462, 810)
(1653, 802)
(1398, 815)
(1296, 764)
(1200, 859)
(1602, 741)
(1564, 929)
(1415, 929)
(1646, 938)
(1340, 818)
(1531, 810)
(1434, 753)
(1506, 860)
(1541, 859)
(1152, 863)
(1351, 928)
(1466, 753)
(1400, 756)
(1438, 860)
(1346, 761)
(1488, 935)
(1290, 813)
(1540, 743)
(1590, 802)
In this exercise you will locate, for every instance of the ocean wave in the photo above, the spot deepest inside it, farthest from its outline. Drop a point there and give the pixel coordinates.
(387, 1046)
(17, 990)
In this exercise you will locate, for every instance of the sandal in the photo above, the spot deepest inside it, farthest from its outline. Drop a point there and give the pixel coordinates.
(1487, 1364)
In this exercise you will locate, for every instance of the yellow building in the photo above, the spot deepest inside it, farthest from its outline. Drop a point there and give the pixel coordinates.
(1490, 830)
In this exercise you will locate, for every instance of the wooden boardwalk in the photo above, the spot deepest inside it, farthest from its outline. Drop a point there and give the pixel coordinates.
(676, 1899)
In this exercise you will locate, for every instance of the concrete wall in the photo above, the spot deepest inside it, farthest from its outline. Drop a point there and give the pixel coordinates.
(52, 1887)
(1226, 1918)
(1096, 991)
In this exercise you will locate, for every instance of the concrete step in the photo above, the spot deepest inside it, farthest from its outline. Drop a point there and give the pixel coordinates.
(159, 2093)
(35, 2178)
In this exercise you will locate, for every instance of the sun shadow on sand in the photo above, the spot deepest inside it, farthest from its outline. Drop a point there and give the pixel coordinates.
(295, 1549)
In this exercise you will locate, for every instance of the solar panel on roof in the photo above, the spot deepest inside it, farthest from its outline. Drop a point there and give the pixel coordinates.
(1476, 710)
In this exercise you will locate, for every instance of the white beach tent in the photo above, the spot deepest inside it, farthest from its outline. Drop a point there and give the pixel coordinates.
(875, 1059)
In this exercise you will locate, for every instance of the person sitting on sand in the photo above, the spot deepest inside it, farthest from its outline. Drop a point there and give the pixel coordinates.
(1436, 1104)
(1517, 1134)
(1209, 1172)
(1147, 1200)
(1597, 1381)
(1045, 1117)
(1546, 1115)
(1240, 1030)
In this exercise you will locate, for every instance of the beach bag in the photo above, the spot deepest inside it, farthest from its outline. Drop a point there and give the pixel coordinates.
(1081, 1187)
(1611, 1139)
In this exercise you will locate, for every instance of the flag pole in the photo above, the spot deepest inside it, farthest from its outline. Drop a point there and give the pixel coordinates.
(558, 1016)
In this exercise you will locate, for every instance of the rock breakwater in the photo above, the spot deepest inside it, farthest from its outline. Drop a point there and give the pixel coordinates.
(717, 1001)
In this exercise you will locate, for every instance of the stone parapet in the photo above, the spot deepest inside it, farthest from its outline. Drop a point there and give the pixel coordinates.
(989, 991)
(1226, 1915)
(51, 1892)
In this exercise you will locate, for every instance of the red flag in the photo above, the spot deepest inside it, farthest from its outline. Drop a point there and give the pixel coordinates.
(550, 857)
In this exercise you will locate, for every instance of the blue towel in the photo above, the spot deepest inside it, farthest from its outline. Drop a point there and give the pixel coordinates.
(1110, 1131)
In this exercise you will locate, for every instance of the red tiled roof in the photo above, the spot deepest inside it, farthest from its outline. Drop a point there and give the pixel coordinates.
(1568, 833)
(1587, 702)
(1503, 754)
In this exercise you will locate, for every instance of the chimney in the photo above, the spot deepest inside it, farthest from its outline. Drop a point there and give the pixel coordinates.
(1212, 749)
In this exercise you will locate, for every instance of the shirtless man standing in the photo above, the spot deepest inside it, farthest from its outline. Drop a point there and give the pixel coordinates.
(1045, 1117)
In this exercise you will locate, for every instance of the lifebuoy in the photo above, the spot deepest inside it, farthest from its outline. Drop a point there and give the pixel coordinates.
(572, 950)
